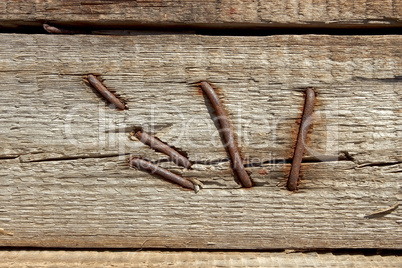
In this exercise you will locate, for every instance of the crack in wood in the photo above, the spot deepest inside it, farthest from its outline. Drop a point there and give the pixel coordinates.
(75, 157)
(379, 164)
(5, 157)
(265, 28)
(316, 159)
(382, 212)
(395, 79)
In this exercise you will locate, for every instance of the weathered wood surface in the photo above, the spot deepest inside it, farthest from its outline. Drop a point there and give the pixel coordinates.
(190, 259)
(49, 112)
(102, 203)
(226, 13)
(64, 179)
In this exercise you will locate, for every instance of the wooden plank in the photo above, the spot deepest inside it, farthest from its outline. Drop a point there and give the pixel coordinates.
(191, 259)
(103, 203)
(226, 13)
(48, 111)
(80, 192)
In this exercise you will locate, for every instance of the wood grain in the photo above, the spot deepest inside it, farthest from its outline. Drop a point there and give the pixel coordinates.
(64, 177)
(101, 203)
(196, 13)
(45, 259)
(48, 112)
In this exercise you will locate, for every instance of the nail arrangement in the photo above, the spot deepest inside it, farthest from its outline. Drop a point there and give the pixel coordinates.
(159, 146)
(225, 128)
(164, 173)
(95, 83)
(301, 140)
(174, 156)
(227, 135)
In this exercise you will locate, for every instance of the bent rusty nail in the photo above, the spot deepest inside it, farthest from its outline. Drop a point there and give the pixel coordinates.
(95, 83)
(164, 173)
(55, 30)
(301, 140)
(237, 161)
(159, 146)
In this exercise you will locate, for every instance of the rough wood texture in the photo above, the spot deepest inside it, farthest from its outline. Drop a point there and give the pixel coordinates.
(232, 13)
(45, 259)
(64, 179)
(49, 112)
(102, 203)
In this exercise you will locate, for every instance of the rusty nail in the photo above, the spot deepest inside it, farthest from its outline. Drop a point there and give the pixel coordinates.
(164, 173)
(301, 140)
(105, 92)
(56, 30)
(237, 161)
(159, 146)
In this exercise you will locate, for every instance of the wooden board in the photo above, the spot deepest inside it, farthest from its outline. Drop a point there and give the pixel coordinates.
(191, 259)
(64, 177)
(226, 13)
(101, 203)
(49, 112)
